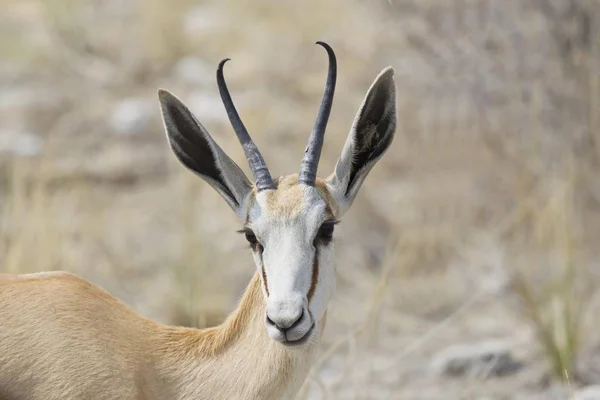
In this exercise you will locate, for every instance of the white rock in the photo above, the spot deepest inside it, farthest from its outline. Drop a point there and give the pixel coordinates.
(201, 19)
(195, 70)
(133, 115)
(15, 98)
(588, 393)
(20, 143)
(207, 107)
(22, 97)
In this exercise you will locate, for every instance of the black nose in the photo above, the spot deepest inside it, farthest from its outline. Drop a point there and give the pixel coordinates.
(285, 324)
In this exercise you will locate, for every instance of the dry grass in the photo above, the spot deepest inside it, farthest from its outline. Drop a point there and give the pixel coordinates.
(556, 303)
(481, 222)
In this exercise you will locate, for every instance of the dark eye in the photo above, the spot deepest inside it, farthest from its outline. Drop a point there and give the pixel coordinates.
(325, 233)
(250, 237)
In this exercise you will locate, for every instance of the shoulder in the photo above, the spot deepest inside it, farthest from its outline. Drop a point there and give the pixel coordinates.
(42, 277)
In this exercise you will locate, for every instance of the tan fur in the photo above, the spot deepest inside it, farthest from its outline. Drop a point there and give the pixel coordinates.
(63, 338)
(288, 199)
(332, 207)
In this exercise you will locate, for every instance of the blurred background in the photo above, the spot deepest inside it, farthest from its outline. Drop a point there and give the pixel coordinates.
(468, 266)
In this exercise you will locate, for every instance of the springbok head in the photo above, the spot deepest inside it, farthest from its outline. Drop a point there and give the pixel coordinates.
(289, 221)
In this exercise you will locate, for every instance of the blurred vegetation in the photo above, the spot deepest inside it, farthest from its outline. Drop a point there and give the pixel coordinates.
(480, 223)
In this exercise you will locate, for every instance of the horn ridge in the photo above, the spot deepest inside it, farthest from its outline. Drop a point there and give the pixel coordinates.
(256, 162)
(312, 154)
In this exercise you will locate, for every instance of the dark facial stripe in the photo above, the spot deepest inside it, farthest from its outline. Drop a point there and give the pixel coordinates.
(264, 275)
(315, 276)
(313, 281)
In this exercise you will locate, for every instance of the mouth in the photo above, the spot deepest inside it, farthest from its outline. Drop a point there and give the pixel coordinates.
(302, 340)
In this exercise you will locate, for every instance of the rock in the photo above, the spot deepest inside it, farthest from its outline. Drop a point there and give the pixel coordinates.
(208, 107)
(24, 97)
(133, 115)
(201, 19)
(489, 358)
(11, 98)
(587, 393)
(20, 143)
(194, 70)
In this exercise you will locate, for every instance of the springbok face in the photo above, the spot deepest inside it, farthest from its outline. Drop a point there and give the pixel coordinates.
(290, 221)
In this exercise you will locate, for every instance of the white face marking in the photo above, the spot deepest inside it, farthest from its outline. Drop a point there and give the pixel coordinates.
(286, 223)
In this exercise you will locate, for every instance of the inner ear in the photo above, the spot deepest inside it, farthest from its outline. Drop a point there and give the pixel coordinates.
(375, 106)
(372, 135)
(193, 150)
(373, 131)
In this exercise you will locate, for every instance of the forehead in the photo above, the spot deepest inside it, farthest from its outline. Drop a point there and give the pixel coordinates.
(291, 199)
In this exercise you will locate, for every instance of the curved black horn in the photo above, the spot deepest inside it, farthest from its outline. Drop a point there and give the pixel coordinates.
(257, 164)
(310, 161)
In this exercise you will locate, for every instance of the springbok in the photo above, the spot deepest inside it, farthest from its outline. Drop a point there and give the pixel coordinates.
(62, 337)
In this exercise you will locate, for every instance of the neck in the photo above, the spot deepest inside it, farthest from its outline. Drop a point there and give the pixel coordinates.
(234, 360)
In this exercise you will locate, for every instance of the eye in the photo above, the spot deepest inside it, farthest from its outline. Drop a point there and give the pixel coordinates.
(250, 237)
(325, 233)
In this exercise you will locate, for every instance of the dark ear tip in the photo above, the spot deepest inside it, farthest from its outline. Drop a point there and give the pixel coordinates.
(386, 73)
(165, 96)
(385, 80)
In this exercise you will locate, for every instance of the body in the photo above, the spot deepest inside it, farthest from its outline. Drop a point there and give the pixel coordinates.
(53, 343)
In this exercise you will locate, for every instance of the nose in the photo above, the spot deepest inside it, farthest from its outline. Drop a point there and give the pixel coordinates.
(285, 322)
(288, 320)
(285, 313)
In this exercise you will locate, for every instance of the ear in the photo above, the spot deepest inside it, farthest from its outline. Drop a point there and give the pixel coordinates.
(371, 134)
(197, 150)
